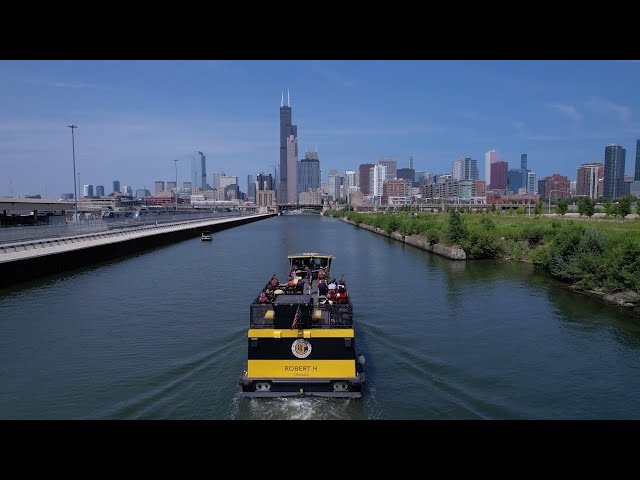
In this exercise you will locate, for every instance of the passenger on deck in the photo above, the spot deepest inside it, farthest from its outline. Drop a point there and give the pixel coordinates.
(269, 293)
(332, 285)
(263, 298)
(274, 281)
(342, 280)
(309, 276)
(331, 296)
(341, 296)
(322, 274)
(322, 288)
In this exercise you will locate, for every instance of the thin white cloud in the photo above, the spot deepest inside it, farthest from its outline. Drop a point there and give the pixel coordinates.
(566, 110)
(475, 116)
(634, 129)
(58, 84)
(519, 125)
(543, 137)
(329, 73)
(605, 107)
(374, 131)
(71, 85)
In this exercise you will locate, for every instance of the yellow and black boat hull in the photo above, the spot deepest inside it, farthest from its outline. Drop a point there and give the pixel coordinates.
(310, 362)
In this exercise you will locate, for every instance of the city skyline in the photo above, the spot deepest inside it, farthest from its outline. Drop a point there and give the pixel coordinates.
(135, 117)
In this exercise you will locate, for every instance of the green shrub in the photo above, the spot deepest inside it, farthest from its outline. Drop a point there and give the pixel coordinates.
(481, 244)
(457, 230)
(488, 224)
(562, 206)
(432, 235)
(533, 234)
(516, 251)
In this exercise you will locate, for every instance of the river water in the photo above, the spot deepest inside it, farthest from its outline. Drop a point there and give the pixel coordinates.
(162, 335)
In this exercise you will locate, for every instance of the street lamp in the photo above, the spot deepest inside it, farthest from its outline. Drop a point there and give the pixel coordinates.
(176, 191)
(73, 146)
(556, 190)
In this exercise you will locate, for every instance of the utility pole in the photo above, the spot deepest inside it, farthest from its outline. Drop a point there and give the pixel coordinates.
(176, 191)
(73, 146)
(77, 217)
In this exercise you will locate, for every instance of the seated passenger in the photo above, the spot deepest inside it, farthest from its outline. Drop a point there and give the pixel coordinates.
(263, 298)
(322, 274)
(322, 288)
(274, 281)
(341, 296)
(331, 296)
(332, 285)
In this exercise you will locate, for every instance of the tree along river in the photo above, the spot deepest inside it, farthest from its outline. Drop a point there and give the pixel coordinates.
(162, 335)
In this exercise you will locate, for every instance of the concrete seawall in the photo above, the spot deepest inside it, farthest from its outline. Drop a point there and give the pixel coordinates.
(56, 256)
(416, 241)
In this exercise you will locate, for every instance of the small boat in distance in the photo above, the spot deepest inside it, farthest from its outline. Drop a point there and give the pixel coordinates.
(297, 211)
(207, 236)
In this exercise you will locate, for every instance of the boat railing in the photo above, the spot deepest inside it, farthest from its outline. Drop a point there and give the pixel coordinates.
(334, 315)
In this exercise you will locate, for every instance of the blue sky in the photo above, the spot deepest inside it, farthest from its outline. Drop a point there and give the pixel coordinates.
(135, 117)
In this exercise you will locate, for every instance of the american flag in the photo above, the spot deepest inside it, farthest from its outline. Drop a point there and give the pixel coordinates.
(296, 318)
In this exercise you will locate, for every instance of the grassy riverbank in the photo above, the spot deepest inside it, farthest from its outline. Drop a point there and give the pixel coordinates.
(598, 256)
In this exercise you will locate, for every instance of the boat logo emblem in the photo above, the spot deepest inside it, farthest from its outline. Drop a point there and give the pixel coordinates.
(301, 348)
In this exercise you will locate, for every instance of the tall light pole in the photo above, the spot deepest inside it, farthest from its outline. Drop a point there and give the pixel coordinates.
(556, 190)
(176, 192)
(73, 146)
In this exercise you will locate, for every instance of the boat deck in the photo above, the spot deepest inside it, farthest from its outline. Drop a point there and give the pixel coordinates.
(326, 313)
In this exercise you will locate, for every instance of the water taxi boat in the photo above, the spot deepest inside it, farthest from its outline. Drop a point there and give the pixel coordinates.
(207, 236)
(301, 339)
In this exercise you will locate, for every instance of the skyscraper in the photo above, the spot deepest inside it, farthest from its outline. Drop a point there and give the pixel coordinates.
(116, 186)
(158, 186)
(499, 175)
(613, 171)
(309, 172)
(264, 182)
(517, 179)
(392, 167)
(465, 168)
(334, 184)
(523, 162)
(363, 177)
(637, 175)
(287, 189)
(99, 190)
(588, 178)
(88, 191)
(407, 174)
(349, 180)
(251, 186)
(532, 185)
(490, 157)
(198, 170)
(377, 176)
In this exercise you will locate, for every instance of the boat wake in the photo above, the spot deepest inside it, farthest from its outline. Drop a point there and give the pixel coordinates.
(307, 408)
